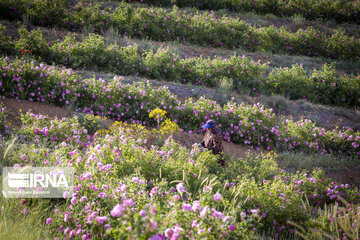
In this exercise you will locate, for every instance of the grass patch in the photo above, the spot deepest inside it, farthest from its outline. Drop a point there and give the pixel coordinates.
(309, 162)
(24, 219)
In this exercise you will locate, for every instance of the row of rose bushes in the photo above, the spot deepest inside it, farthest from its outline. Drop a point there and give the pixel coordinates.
(123, 188)
(205, 29)
(342, 11)
(320, 86)
(240, 123)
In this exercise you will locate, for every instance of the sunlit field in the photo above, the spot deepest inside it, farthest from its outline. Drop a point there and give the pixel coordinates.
(118, 91)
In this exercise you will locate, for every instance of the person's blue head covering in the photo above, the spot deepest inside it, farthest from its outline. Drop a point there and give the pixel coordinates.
(209, 124)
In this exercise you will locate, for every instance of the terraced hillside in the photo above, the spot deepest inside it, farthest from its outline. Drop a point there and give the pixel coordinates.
(118, 90)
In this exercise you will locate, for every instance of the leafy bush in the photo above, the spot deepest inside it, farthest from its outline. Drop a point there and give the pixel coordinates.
(53, 132)
(125, 187)
(319, 86)
(333, 222)
(6, 45)
(322, 86)
(44, 13)
(92, 123)
(132, 103)
(3, 114)
(337, 10)
(205, 29)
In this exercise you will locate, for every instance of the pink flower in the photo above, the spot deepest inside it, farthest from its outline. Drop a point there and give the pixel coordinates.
(186, 206)
(117, 211)
(73, 201)
(157, 237)
(135, 179)
(153, 191)
(196, 205)
(129, 202)
(72, 233)
(169, 232)
(180, 187)
(203, 212)
(49, 221)
(231, 227)
(102, 195)
(67, 217)
(142, 213)
(173, 233)
(154, 224)
(101, 220)
(217, 214)
(194, 224)
(217, 197)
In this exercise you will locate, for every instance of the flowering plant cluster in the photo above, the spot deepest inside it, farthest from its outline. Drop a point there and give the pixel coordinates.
(3, 122)
(5, 41)
(204, 29)
(319, 86)
(124, 187)
(41, 12)
(311, 9)
(253, 125)
(157, 114)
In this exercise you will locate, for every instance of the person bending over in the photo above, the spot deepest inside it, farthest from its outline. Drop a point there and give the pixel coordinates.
(213, 140)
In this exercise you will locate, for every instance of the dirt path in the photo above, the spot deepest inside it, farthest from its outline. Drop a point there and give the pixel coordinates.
(15, 106)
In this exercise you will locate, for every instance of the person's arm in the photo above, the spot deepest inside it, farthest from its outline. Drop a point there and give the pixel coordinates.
(201, 145)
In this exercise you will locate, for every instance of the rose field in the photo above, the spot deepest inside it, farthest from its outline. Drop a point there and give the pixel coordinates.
(118, 92)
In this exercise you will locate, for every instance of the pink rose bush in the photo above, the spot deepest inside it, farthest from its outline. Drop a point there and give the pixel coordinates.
(249, 124)
(123, 197)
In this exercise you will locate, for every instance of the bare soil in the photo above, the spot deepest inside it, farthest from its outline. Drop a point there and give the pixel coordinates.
(15, 106)
(351, 176)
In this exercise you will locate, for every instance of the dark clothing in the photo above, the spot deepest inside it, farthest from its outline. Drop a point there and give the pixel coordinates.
(213, 141)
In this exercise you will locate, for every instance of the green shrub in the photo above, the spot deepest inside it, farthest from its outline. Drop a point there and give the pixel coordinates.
(202, 29)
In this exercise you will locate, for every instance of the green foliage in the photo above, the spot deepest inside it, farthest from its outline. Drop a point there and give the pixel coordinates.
(23, 221)
(320, 86)
(310, 9)
(119, 167)
(253, 125)
(92, 51)
(3, 121)
(92, 123)
(54, 131)
(43, 13)
(203, 29)
(333, 222)
(6, 45)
